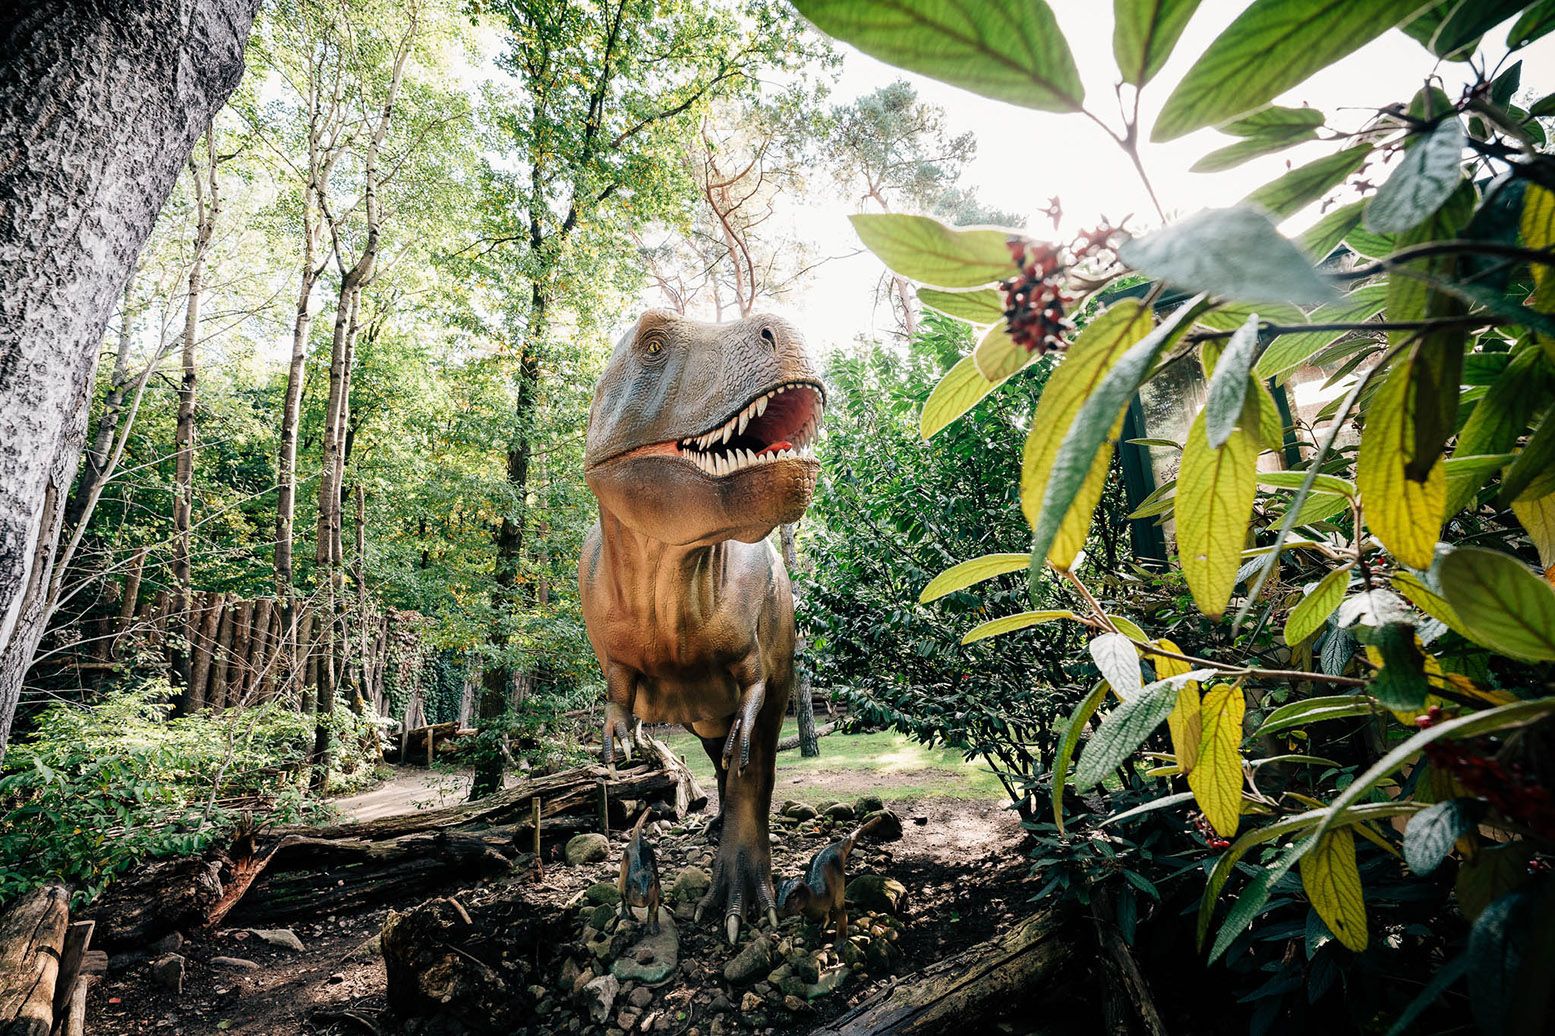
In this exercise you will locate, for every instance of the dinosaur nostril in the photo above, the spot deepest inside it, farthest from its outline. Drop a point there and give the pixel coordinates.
(771, 339)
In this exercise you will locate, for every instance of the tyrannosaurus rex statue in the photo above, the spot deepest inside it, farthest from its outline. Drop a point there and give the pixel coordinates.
(698, 446)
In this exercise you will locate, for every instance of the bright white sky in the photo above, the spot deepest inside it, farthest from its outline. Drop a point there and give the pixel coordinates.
(1025, 156)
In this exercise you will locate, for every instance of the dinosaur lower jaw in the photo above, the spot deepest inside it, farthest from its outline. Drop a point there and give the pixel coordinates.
(780, 424)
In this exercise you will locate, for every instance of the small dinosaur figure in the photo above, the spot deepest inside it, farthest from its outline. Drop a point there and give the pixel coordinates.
(698, 446)
(819, 894)
(639, 885)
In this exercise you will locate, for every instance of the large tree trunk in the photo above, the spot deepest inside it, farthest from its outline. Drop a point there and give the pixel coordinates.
(100, 106)
(804, 703)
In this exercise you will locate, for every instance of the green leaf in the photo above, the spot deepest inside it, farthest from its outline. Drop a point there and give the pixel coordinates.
(1405, 514)
(1216, 779)
(1428, 600)
(1274, 118)
(998, 356)
(1501, 603)
(1315, 710)
(1305, 184)
(969, 573)
(1432, 832)
(1297, 479)
(1422, 183)
(1532, 474)
(1228, 316)
(1324, 236)
(1010, 50)
(1127, 726)
(1333, 884)
(1461, 23)
(962, 388)
(1500, 417)
(1228, 387)
(1233, 155)
(1272, 46)
(1489, 874)
(1538, 518)
(1066, 745)
(1144, 33)
(1372, 246)
(983, 306)
(1011, 623)
(1084, 367)
(1511, 955)
(1233, 253)
(1253, 898)
(1537, 21)
(1218, 487)
(1116, 657)
(928, 251)
(1465, 476)
(1164, 802)
(1400, 684)
(1289, 351)
(1183, 721)
(1314, 609)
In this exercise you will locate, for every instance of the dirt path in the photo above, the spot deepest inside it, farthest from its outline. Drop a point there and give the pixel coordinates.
(409, 790)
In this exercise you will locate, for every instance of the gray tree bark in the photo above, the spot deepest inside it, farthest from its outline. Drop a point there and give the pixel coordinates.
(100, 105)
(804, 703)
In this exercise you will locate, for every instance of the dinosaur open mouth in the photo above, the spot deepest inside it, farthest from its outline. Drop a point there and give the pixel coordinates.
(778, 424)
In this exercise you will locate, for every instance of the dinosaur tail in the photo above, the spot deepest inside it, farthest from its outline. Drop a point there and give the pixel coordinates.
(845, 847)
(643, 816)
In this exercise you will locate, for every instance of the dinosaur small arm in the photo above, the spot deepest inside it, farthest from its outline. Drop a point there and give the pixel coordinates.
(699, 444)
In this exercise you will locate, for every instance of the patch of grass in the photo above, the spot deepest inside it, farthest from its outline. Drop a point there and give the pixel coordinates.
(885, 763)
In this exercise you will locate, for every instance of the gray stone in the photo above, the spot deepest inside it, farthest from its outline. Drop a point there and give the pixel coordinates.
(370, 948)
(172, 942)
(168, 972)
(875, 892)
(235, 962)
(589, 847)
(642, 996)
(653, 958)
(885, 826)
(751, 962)
(280, 938)
(719, 1005)
(599, 996)
(829, 982)
(839, 811)
(690, 884)
(602, 893)
(600, 916)
(799, 811)
(868, 804)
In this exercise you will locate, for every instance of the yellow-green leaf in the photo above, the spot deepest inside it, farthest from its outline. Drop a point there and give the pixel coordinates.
(1405, 515)
(1429, 601)
(1218, 488)
(1011, 623)
(1144, 33)
(962, 388)
(1538, 518)
(998, 356)
(930, 252)
(1216, 780)
(1184, 720)
(1333, 884)
(1501, 603)
(1308, 616)
(967, 573)
(1538, 231)
(983, 306)
(1085, 363)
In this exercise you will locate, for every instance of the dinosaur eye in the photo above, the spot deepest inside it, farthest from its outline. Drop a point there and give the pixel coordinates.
(653, 342)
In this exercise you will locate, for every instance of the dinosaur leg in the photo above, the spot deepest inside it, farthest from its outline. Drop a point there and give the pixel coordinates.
(713, 746)
(742, 870)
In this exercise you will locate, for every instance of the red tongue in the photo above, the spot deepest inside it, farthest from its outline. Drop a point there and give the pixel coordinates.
(777, 447)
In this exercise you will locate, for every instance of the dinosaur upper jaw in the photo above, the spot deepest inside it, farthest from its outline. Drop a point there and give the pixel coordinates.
(779, 423)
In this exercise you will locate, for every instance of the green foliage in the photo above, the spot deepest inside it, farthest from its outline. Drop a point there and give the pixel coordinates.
(94, 791)
(1446, 715)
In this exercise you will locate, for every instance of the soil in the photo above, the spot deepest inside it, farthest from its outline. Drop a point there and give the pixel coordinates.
(957, 858)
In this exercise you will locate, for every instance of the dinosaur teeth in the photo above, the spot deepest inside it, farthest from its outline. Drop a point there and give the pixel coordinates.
(761, 405)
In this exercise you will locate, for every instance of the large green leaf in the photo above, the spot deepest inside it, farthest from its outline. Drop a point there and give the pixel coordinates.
(1538, 20)
(1235, 154)
(1500, 417)
(1144, 33)
(1314, 609)
(1324, 236)
(1315, 710)
(1127, 726)
(1502, 604)
(983, 306)
(1011, 623)
(1070, 472)
(1066, 746)
(1228, 386)
(962, 388)
(1405, 514)
(1085, 364)
(1333, 884)
(928, 251)
(1532, 474)
(1233, 253)
(970, 573)
(1274, 118)
(1452, 29)
(1422, 183)
(998, 356)
(1215, 493)
(1272, 46)
(1216, 779)
(1305, 184)
(1010, 50)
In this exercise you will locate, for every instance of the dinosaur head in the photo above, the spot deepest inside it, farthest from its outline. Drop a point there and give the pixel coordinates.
(701, 432)
(793, 897)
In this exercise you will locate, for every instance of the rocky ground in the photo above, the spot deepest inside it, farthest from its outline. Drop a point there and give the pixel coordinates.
(915, 901)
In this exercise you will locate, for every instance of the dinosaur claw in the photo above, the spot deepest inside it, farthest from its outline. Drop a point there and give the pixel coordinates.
(772, 917)
(732, 927)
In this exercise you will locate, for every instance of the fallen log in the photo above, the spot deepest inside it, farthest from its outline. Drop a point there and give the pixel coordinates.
(420, 745)
(32, 936)
(976, 986)
(788, 744)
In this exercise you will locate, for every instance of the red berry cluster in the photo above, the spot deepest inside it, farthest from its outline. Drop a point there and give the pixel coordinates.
(1034, 302)
(1207, 832)
(1509, 788)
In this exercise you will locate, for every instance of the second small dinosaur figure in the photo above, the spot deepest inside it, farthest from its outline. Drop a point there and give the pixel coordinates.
(819, 895)
(639, 885)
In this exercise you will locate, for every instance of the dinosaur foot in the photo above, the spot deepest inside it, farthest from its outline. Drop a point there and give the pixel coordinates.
(740, 883)
(714, 827)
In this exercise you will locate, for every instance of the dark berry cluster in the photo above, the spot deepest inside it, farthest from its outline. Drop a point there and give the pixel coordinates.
(1037, 302)
(1207, 832)
(1509, 788)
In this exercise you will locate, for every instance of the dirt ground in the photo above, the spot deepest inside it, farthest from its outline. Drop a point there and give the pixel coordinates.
(955, 858)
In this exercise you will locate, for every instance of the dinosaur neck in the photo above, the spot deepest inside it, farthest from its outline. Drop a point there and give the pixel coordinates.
(659, 582)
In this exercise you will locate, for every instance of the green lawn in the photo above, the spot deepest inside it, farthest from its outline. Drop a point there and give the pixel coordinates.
(886, 764)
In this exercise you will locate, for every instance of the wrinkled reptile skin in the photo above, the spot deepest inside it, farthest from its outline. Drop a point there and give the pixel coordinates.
(688, 606)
